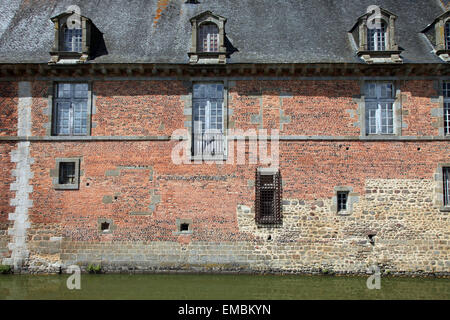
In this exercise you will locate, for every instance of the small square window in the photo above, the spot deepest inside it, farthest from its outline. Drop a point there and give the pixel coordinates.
(66, 175)
(66, 172)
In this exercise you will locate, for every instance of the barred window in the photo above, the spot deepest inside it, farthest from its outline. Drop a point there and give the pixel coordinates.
(379, 108)
(72, 40)
(268, 197)
(446, 184)
(446, 93)
(208, 38)
(208, 110)
(376, 38)
(70, 109)
(342, 198)
(447, 36)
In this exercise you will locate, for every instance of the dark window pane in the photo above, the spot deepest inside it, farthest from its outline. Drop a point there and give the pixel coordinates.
(342, 201)
(66, 172)
(446, 185)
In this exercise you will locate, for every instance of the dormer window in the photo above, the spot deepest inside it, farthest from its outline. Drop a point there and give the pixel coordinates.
(438, 33)
(208, 39)
(72, 42)
(374, 36)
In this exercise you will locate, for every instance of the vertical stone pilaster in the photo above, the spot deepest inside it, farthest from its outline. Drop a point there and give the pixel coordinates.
(21, 186)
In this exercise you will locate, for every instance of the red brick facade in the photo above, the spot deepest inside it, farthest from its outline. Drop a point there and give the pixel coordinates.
(138, 187)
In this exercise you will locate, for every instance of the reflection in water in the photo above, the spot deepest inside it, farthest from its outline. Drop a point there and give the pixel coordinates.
(220, 287)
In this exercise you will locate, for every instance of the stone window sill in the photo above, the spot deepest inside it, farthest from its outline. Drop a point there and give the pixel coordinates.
(182, 233)
(66, 187)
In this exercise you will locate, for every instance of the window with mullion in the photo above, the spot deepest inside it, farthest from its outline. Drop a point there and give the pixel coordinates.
(208, 38)
(208, 125)
(71, 109)
(72, 39)
(377, 38)
(342, 198)
(379, 108)
(446, 94)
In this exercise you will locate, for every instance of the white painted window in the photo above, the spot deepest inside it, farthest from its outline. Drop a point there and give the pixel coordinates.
(208, 38)
(72, 40)
(208, 126)
(376, 38)
(379, 108)
(446, 93)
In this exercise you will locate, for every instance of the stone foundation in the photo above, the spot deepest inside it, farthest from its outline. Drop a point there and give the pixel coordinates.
(409, 236)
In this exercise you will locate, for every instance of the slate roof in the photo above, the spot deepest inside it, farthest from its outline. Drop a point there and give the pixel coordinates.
(262, 31)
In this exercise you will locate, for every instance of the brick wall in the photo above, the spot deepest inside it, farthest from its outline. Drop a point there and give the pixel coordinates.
(136, 185)
(8, 104)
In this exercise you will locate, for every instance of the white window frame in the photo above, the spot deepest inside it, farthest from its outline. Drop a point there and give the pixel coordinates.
(377, 38)
(385, 104)
(446, 105)
(76, 41)
(209, 37)
(199, 150)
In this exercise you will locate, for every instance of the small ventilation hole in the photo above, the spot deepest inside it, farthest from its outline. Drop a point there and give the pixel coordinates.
(269, 238)
(184, 227)
(104, 226)
(371, 239)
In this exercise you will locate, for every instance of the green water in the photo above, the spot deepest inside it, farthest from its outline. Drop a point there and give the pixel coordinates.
(220, 287)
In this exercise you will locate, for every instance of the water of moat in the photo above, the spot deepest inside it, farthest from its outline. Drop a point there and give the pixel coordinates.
(219, 287)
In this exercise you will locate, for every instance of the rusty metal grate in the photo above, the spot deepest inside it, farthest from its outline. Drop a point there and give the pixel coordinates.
(268, 198)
